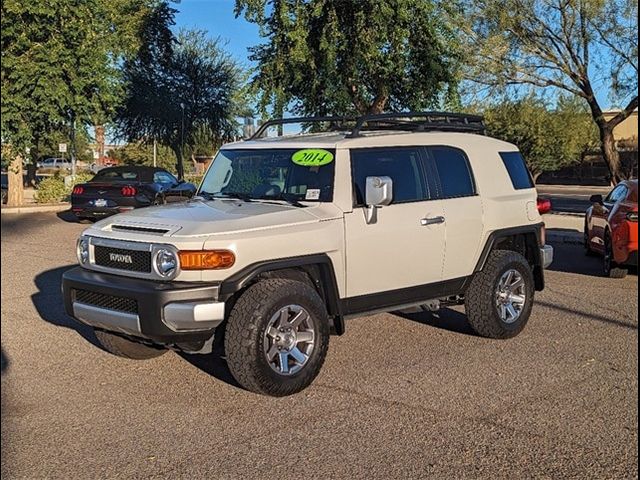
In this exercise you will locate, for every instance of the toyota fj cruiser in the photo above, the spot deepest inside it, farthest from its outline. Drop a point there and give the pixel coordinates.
(289, 236)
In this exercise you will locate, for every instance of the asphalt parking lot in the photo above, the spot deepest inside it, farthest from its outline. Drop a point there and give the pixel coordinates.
(400, 396)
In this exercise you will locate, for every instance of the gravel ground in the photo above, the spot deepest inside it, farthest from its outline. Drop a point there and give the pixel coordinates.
(400, 395)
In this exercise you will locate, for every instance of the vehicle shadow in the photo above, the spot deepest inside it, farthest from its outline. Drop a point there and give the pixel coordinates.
(445, 319)
(215, 363)
(570, 258)
(50, 306)
(4, 361)
(69, 217)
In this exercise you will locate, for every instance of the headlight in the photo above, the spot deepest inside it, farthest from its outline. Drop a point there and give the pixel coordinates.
(82, 250)
(166, 262)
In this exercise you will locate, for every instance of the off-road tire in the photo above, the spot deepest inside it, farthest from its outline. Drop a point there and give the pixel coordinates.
(244, 336)
(123, 347)
(480, 303)
(610, 267)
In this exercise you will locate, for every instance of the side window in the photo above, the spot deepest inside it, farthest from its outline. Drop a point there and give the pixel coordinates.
(163, 177)
(617, 194)
(454, 172)
(402, 165)
(518, 171)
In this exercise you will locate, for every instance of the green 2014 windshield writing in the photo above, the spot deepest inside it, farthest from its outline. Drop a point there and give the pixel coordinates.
(312, 157)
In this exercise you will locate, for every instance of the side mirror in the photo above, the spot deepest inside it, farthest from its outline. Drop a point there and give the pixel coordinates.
(378, 193)
(597, 199)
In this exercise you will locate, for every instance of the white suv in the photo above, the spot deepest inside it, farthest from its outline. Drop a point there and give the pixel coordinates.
(289, 236)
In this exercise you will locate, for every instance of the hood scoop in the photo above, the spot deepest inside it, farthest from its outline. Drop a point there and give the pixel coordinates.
(139, 229)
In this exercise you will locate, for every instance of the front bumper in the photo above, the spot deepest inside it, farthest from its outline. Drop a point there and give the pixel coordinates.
(546, 255)
(167, 313)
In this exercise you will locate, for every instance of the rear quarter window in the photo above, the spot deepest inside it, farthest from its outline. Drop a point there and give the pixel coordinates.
(517, 169)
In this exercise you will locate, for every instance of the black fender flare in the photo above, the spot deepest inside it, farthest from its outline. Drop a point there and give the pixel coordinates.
(318, 267)
(533, 235)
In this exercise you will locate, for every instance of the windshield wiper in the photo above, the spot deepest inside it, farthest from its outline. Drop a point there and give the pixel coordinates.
(290, 198)
(202, 194)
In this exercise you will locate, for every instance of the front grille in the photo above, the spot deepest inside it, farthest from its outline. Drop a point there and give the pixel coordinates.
(123, 259)
(102, 300)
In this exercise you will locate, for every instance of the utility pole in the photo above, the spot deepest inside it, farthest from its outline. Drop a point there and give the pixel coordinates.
(155, 152)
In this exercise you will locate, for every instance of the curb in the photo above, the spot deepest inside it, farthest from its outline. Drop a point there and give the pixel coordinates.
(570, 239)
(567, 214)
(35, 209)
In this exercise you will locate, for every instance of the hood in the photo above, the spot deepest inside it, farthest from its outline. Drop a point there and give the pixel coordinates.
(215, 217)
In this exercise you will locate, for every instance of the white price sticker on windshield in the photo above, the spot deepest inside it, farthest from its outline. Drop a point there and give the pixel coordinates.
(312, 194)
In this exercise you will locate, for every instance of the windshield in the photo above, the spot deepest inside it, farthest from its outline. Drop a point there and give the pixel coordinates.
(271, 175)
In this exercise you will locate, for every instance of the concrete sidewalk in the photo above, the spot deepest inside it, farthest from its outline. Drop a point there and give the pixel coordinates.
(35, 208)
(564, 228)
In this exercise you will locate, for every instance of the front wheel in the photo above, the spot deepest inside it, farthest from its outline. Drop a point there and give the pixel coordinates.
(277, 337)
(499, 300)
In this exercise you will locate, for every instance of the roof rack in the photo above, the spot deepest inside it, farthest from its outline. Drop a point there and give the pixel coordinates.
(405, 121)
(335, 122)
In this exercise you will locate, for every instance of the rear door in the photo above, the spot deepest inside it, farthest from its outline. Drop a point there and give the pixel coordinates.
(392, 260)
(451, 182)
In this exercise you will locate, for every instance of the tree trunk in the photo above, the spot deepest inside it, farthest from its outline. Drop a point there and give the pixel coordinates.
(15, 194)
(610, 153)
(179, 162)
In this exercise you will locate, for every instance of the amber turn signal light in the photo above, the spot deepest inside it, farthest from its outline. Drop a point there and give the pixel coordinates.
(206, 259)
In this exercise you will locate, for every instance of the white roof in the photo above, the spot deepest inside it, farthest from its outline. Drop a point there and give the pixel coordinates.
(338, 140)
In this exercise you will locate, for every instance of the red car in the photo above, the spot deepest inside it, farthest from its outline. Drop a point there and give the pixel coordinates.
(611, 228)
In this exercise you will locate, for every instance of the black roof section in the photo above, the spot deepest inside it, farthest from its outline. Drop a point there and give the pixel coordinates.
(401, 121)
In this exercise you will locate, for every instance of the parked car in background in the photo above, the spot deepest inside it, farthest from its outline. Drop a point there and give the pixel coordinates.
(118, 189)
(611, 228)
(54, 163)
(95, 167)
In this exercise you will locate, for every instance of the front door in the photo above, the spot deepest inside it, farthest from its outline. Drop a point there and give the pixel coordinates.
(395, 259)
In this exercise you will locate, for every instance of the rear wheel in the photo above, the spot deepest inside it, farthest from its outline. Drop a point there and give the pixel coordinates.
(499, 300)
(610, 267)
(123, 347)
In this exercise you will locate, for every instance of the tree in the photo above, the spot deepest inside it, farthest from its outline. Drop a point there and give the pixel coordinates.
(548, 139)
(567, 45)
(171, 99)
(337, 57)
(140, 153)
(60, 63)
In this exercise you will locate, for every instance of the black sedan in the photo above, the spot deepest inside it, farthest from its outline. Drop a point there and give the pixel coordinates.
(118, 189)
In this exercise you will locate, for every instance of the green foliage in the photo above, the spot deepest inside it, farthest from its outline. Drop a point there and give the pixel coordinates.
(548, 139)
(53, 189)
(182, 97)
(61, 68)
(339, 57)
(139, 153)
(572, 46)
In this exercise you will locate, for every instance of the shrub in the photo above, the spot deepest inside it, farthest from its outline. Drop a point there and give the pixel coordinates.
(53, 189)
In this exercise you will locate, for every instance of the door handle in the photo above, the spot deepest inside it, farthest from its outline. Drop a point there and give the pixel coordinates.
(431, 221)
